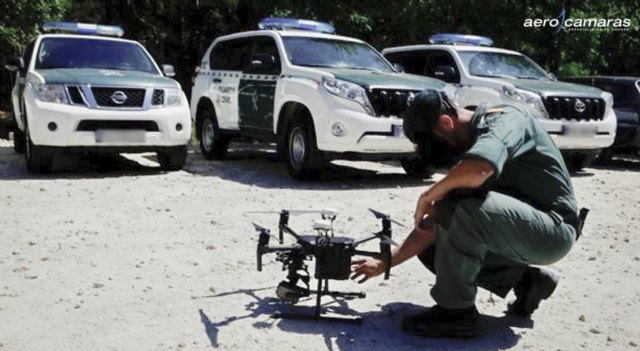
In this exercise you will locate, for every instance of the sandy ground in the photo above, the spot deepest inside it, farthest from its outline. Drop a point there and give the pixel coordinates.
(116, 255)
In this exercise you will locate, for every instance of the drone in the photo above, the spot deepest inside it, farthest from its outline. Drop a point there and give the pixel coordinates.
(332, 256)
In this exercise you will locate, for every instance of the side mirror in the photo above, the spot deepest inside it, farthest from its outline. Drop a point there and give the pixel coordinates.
(553, 76)
(445, 73)
(398, 67)
(264, 61)
(15, 63)
(168, 70)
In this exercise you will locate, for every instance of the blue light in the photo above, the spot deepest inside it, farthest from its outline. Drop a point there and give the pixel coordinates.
(460, 39)
(83, 28)
(293, 23)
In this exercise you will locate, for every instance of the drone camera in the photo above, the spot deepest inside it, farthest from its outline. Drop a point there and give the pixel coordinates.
(291, 292)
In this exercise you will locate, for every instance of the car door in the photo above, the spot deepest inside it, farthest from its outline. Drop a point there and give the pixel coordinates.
(227, 61)
(258, 86)
(18, 89)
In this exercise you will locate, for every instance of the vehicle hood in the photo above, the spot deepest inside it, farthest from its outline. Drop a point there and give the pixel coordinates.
(551, 87)
(373, 79)
(106, 77)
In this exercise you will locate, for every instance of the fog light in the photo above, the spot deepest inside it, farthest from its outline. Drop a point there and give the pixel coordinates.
(179, 126)
(338, 129)
(52, 126)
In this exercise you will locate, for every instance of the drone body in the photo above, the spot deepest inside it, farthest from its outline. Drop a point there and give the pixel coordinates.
(332, 255)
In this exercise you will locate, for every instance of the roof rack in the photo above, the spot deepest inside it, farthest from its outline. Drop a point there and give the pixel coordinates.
(83, 28)
(277, 23)
(460, 39)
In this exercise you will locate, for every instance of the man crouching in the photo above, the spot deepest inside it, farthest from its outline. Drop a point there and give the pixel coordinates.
(506, 205)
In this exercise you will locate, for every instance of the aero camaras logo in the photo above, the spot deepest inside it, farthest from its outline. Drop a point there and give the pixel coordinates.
(579, 24)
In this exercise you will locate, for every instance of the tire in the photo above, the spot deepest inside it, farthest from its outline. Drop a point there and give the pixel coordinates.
(213, 143)
(576, 161)
(172, 159)
(304, 160)
(36, 157)
(416, 168)
(19, 144)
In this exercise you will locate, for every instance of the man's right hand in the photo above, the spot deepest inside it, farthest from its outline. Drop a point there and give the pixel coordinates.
(367, 268)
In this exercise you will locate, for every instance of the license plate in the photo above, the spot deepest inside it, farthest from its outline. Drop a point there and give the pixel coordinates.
(120, 136)
(398, 130)
(579, 130)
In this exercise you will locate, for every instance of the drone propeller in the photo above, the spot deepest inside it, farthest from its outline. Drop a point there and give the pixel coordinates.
(329, 212)
(386, 240)
(380, 215)
(260, 228)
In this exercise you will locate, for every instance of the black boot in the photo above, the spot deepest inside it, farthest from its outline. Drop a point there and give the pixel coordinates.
(442, 322)
(536, 285)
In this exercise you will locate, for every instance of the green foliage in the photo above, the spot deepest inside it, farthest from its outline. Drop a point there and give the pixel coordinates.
(179, 31)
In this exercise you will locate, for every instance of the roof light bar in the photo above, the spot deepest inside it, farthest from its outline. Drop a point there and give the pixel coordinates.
(294, 23)
(460, 39)
(83, 28)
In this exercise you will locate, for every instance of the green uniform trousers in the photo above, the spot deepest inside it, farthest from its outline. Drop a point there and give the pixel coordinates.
(489, 241)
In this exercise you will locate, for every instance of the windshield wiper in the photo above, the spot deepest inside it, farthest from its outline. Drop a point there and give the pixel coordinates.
(311, 65)
(495, 76)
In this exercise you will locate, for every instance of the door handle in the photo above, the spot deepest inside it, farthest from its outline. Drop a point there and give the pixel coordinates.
(216, 80)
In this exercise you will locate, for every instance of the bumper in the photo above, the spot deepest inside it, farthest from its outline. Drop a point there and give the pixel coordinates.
(365, 134)
(67, 118)
(583, 135)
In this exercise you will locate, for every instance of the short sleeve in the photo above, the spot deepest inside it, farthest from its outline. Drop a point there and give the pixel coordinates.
(500, 138)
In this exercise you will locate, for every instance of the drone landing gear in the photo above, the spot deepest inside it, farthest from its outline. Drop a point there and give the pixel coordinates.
(323, 290)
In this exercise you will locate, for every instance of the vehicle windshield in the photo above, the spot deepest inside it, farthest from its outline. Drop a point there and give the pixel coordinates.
(501, 65)
(92, 53)
(323, 52)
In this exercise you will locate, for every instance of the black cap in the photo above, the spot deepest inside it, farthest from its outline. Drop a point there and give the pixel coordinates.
(422, 113)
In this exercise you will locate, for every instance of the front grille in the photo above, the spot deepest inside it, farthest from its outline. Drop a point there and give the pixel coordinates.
(389, 102)
(90, 125)
(568, 108)
(158, 97)
(105, 97)
(75, 95)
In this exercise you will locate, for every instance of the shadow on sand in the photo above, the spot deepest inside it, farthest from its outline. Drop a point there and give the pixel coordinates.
(379, 330)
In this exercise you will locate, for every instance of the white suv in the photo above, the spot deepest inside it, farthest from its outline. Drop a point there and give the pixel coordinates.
(90, 91)
(580, 119)
(317, 95)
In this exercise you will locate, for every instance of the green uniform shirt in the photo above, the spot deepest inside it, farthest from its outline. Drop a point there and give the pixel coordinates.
(527, 163)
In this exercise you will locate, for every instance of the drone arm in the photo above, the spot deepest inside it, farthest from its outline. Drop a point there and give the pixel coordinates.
(286, 229)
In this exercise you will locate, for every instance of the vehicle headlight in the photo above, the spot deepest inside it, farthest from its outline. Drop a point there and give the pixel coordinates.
(52, 93)
(172, 97)
(349, 91)
(525, 98)
(608, 99)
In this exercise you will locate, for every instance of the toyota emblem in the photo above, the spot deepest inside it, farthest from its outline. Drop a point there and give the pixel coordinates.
(119, 97)
(580, 106)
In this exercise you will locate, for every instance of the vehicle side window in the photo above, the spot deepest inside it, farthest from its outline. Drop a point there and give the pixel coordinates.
(230, 55)
(26, 57)
(265, 58)
(412, 62)
(439, 58)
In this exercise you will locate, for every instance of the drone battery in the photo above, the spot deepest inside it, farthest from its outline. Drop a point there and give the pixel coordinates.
(333, 258)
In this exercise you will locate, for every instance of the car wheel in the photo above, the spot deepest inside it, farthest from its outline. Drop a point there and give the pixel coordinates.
(304, 160)
(213, 143)
(172, 159)
(577, 161)
(37, 159)
(18, 141)
(416, 168)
